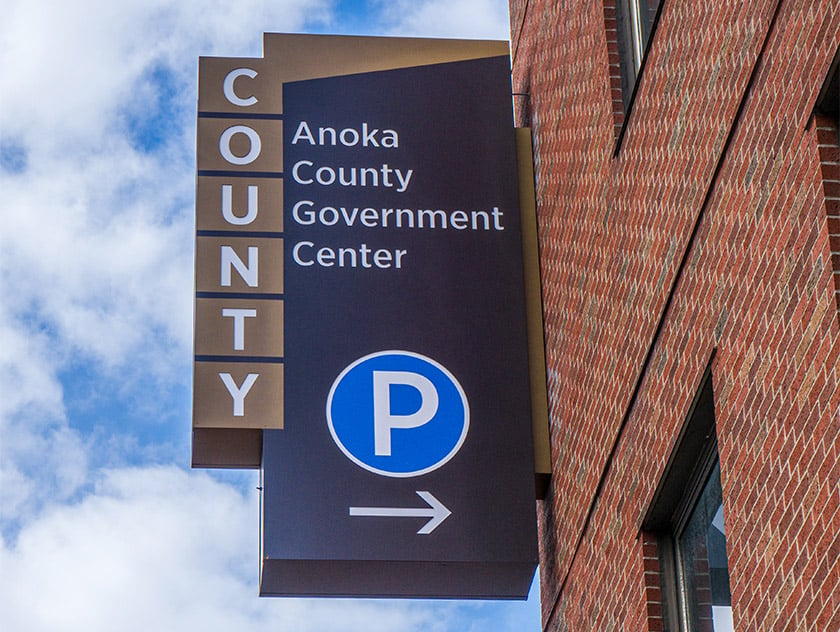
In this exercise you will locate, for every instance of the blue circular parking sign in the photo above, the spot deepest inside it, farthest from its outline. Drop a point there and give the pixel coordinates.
(398, 413)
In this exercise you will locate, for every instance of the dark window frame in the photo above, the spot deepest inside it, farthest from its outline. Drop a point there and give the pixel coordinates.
(687, 473)
(633, 51)
(828, 101)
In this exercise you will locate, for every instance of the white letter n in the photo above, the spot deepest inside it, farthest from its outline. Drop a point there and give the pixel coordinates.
(229, 259)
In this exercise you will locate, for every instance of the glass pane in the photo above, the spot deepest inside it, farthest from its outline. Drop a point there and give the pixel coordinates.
(703, 563)
(652, 7)
(648, 8)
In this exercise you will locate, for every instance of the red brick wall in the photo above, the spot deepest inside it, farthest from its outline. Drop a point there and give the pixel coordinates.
(710, 227)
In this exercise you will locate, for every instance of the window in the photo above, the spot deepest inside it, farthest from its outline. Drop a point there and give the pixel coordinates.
(700, 554)
(827, 121)
(686, 518)
(636, 21)
(828, 102)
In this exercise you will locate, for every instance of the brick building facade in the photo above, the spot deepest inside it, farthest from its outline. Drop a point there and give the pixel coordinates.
(688, 194)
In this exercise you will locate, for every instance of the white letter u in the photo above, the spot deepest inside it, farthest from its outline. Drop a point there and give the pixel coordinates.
(227, 206)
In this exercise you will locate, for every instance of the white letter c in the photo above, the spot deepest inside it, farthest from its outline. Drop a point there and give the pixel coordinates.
(230, 94)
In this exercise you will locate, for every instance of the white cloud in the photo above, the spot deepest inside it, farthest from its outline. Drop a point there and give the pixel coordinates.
(40, 457)
(160, 549)
(480, 19)
(66, 63)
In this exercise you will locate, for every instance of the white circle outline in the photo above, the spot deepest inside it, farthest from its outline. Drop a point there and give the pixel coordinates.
(375, 470)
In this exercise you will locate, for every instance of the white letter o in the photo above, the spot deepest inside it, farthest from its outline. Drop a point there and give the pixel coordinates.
(253, 153)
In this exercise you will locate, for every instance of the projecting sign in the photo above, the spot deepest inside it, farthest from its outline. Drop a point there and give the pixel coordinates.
(360, 313)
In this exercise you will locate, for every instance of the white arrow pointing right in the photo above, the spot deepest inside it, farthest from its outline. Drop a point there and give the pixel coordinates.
(436, 511)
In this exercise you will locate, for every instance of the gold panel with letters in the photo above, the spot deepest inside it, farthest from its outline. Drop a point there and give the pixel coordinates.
(261, 327)
(213, 405)
(268, 203)
(268, 258)
(269, 153)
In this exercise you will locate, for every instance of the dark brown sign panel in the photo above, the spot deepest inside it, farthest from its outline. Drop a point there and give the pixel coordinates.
(377, 323)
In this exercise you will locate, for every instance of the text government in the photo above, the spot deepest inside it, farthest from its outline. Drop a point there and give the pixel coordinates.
(305, 213)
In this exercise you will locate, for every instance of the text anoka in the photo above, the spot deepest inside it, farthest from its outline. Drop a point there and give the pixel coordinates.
(349, 137)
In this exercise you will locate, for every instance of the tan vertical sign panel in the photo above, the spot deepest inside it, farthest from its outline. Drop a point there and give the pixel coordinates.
(238, 369)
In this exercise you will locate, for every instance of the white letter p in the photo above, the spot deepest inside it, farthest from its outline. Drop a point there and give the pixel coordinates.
(384, 421)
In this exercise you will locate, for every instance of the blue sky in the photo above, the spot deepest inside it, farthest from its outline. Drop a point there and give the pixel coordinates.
(103, 526)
